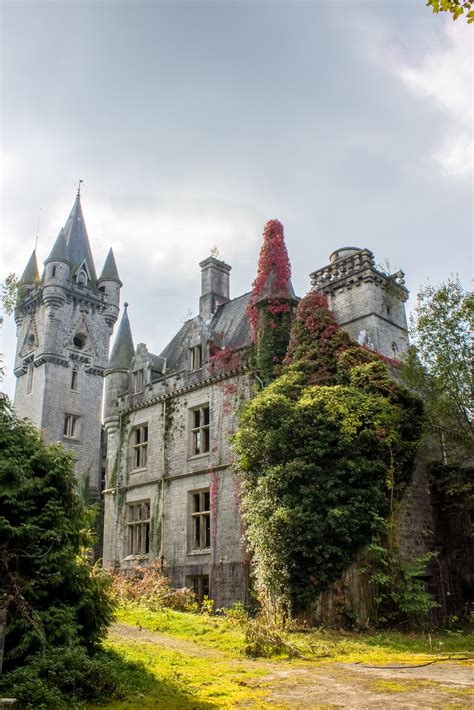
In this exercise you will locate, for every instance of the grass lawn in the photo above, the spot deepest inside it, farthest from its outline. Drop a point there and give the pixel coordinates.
(198, 661)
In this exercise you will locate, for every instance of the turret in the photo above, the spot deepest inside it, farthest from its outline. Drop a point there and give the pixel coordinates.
(58, 264)
(272, 302)
(367, 303)
(29, 279)
(109, 282)
(116, 374)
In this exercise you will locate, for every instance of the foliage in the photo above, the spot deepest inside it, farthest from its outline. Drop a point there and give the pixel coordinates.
(66, 677)
(271, 302)
(400, 595)
(265, 637)
(8, 296)
(439, 364)
(150, 587)
(325, 450)
(53, 596)
(455, 7)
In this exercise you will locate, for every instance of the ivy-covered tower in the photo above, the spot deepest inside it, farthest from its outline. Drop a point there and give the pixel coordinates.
(272, 302)
(64, 322)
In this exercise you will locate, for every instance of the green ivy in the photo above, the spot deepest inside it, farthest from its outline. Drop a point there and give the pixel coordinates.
(326, 450)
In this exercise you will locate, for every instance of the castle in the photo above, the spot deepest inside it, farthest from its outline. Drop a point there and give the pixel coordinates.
(170, 493)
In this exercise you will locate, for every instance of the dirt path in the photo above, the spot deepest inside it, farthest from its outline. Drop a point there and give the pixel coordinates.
(443, 686)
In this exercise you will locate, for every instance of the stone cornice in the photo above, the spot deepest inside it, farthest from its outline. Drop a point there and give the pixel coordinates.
(183, 390)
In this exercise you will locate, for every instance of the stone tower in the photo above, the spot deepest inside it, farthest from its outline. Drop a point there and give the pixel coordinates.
(367, 303)
(64, 322)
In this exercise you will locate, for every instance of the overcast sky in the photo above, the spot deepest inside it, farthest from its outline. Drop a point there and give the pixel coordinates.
(193, 123)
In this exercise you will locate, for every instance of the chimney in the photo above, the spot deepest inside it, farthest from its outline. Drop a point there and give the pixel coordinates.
(214, 286)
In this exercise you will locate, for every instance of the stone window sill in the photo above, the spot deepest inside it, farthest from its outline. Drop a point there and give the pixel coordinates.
(207, 551)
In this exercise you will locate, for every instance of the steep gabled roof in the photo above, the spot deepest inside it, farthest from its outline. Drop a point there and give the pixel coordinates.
(123, 349)
(229, 327)
(109, 270)
(31, 273)
(59, 252)
(77, 241)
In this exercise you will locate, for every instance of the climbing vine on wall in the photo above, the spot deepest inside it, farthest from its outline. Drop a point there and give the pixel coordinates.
(324, 450)
(271, 302)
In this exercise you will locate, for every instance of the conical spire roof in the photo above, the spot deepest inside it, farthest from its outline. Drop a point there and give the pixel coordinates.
(110, 271)
(123, 349)
(77, 241)
(31, 273)
(59, 252)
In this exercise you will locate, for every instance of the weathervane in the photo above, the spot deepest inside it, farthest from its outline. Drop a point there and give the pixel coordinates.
(79, 187)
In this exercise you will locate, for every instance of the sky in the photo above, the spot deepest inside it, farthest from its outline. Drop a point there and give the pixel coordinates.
(193, 123)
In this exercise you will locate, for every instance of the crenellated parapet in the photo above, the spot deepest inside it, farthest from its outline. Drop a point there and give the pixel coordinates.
(349, 265)
(367, 302)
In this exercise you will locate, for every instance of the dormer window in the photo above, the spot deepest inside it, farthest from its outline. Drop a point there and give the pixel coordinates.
(195, 358)
(82, 274)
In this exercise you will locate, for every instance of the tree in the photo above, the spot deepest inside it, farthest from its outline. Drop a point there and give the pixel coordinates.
(52, 594)
(9, 293)
(439, 364)
(455, 7)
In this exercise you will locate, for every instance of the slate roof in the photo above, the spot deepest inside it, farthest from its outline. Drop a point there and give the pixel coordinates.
(229, 328)
(77, 241)
(30, 274)
(59, 252)
(123, 349)
(109, 270)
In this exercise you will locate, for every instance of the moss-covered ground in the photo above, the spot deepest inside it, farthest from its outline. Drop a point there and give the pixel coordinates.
(198, 661)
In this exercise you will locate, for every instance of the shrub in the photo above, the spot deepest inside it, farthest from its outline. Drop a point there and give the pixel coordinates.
(150, 587)
(62, 677)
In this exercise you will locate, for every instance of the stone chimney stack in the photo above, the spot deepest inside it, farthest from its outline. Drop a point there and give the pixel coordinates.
(214, 286)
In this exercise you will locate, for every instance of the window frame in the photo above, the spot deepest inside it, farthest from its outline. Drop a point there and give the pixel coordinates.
(75, 379)
(200, 585)
(138, 528)
(196, 358)
(138, 380)
(200, 520)
(199, 430)
(139, 447)
(71, 427)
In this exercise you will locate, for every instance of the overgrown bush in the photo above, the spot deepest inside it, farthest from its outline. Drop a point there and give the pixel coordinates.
(67, 677)
(150, 587)
(265, 636)
(326, 450)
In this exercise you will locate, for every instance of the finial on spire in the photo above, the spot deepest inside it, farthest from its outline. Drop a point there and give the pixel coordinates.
(79, 188)
(125, 305)
(37, 229)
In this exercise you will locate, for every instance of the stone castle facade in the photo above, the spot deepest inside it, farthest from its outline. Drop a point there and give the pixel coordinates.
(171, 495)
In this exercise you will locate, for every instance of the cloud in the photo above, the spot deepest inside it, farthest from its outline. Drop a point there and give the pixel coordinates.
(441, 73)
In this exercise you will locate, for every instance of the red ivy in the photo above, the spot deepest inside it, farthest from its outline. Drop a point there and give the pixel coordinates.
(273, 275)
(213, 496)
(221, 361)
